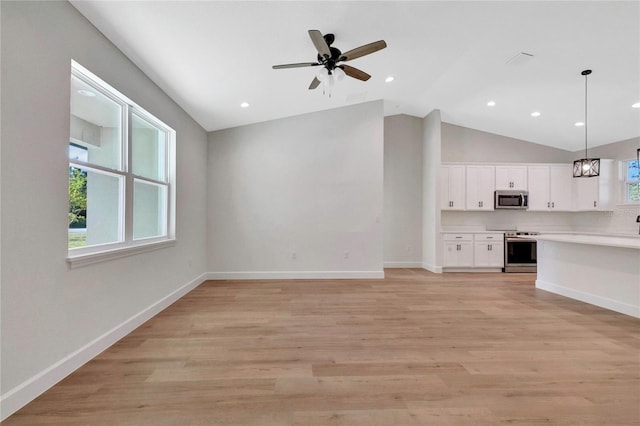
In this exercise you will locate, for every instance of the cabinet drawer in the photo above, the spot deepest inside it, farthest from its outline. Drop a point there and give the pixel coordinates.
(489, 237)
(457, 237)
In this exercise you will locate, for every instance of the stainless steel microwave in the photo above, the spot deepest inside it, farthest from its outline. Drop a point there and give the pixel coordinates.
(515, 200)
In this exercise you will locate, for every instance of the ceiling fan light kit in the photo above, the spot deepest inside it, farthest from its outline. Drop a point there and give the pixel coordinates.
(586, 167)
(329, 59)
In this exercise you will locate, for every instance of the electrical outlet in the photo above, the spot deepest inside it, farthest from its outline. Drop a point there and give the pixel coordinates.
(346, 254)
(294, 255)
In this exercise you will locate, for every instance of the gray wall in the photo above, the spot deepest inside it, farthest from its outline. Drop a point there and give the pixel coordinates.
(48, 310)
(462, 144)
(309, 185)
(622, 150)
(402, 191)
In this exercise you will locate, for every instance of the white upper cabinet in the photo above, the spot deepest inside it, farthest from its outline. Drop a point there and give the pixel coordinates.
(596, 193)
(539, 199)
(480, 187)
(550, 187)
(560, 187)
(511, 177)
(452, 187)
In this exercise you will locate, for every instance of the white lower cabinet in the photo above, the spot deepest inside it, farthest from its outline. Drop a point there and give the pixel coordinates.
(468, 250)
(488, 251)
(458, 250)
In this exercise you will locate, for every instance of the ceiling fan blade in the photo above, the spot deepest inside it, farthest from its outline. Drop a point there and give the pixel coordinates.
(355, 73)
(320, 43)
(314, 83)
(363, 50)
(298, 65)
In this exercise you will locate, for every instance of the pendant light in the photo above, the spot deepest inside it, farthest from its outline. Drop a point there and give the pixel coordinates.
(586, 167)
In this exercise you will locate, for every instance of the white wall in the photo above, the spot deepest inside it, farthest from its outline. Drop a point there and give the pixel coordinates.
(431, 216)
(622, 220)
(48, 310)
(402, 191)
(310, 185)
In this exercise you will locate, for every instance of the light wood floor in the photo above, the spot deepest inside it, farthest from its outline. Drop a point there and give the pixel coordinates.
(414, 348)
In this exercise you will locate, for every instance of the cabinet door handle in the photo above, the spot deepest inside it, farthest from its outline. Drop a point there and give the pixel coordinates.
(594, 204)
(553, 205)
(548, 204)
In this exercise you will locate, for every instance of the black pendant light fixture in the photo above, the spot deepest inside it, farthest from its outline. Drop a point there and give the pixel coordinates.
(586, 167)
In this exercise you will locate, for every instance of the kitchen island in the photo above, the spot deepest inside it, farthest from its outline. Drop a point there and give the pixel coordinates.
(598, 269)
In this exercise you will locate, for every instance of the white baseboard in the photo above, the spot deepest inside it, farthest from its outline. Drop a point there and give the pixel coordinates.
(416, 264)
(294, 275)
(603, 302)
(21, 395)
(432, 268)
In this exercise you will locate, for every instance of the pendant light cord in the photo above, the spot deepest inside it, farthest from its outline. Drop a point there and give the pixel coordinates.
(586, 76)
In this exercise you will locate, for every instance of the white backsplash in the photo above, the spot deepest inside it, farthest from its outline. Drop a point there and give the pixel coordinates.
(522, 220)
(620, 221)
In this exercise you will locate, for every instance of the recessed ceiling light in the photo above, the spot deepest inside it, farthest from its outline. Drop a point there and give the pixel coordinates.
(579, 124)
(636, 105)
(87, 93)
(244, 105)
(491, 103)
(535, 114)
(388, 79)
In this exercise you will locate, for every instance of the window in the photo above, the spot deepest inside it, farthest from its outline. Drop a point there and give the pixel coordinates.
(631, 179)
(121, 172)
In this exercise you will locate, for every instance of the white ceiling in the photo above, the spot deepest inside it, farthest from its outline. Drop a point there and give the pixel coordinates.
(210, 56)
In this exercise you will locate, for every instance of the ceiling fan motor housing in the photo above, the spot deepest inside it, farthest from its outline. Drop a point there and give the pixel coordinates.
(330, 63)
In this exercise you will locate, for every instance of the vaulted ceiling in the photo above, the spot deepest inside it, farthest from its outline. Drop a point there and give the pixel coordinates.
(211, 56)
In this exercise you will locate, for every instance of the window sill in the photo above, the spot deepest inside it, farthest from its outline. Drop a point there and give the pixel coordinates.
(628, 205)
(79, 260)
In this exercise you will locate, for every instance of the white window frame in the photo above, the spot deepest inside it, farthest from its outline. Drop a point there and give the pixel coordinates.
(624, 183)
(81, 256)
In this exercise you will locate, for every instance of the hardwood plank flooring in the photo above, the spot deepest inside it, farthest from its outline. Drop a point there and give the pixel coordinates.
(413, 349)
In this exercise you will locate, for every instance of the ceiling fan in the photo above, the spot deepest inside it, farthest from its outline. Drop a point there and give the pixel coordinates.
(330, 57)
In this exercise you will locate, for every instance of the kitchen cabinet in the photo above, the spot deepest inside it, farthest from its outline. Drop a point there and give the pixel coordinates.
(596, 193)
(480, 186)
(452, 187)
(488, 250)
(511, 177)
(550, 187)
(458, 250)
(473, 250)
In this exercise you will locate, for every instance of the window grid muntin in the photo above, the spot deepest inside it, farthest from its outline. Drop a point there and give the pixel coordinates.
(109, 92)
(122, 187)
(167, 194)
(628, 183)
(151, 120)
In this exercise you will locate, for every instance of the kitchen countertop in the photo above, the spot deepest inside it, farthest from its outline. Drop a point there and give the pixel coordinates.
(467, 231)
(632, 242)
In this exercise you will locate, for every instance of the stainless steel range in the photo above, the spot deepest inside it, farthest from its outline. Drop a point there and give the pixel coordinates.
(520, 251)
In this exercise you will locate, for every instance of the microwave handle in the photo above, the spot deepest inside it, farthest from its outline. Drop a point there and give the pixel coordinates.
(522, 199)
